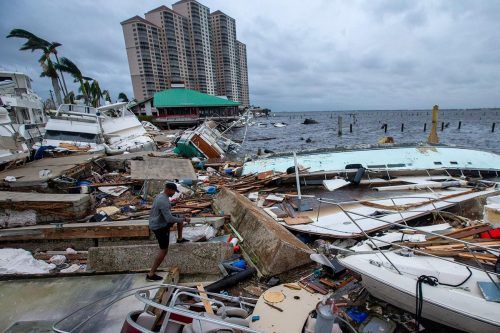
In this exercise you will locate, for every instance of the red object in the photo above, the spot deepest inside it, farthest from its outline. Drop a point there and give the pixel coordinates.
(493, 233)
(236, 248)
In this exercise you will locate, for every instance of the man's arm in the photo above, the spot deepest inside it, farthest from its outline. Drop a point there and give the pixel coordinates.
(167, 214)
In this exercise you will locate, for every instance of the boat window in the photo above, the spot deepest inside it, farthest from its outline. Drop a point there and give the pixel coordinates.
(396, 165)
(72, 136)
(376, 166)
(453, 162)
(438, 163)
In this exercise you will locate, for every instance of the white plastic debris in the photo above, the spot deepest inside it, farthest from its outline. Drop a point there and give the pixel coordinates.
(71, 251)
(196, 159)
(58, 259)
(196, 233)
(254, 196)
(19, 261)
(10, 179)
(115, 191)
(71, 269)
(45, 173)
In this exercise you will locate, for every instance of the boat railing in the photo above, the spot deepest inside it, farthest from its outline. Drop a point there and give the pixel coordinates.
(174, 308)
(72, 322)
(467, 245)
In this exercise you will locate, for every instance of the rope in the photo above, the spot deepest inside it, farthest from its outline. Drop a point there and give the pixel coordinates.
(419, 297)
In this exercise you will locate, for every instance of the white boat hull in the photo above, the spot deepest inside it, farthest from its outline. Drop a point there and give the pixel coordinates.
(430, 311)
(462, 307)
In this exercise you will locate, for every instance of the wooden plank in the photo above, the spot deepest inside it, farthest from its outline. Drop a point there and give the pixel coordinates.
(297, 220)
(206, 303)
(465, 232)
(163, 294)
(481, 256)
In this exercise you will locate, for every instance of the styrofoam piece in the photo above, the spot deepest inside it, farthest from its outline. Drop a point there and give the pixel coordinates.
(333, 184)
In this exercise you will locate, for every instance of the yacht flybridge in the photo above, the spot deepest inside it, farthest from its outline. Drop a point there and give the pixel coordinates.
(111, 129)
(22, 119)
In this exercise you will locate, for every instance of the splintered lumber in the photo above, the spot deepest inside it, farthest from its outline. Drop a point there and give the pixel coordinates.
(206, 302)
(297, 220)
(491, 258)
(163, 294)
(466, 232)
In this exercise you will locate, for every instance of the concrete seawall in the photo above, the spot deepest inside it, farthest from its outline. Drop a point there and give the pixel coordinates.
(276, 249)
(191, 258)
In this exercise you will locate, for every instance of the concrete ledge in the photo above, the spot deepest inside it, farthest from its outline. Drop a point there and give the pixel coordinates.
(191, 258)
(277, 250)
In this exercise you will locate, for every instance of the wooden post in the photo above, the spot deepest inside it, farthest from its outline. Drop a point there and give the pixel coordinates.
(493, 128)
(339, 120)
(350, 128)
(385, 128)
(433, 137)
(425, 127)
(442, 126)
(402, 127)
(459, 124)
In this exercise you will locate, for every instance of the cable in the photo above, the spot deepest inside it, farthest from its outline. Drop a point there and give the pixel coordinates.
(419, 297)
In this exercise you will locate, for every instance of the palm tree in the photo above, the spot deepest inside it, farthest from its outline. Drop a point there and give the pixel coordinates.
(96, 94)
(106, 96)
(33, 43)
(66, 65)
(123, 97)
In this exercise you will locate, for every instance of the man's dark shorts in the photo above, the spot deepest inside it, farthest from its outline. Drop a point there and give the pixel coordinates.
(163, 237)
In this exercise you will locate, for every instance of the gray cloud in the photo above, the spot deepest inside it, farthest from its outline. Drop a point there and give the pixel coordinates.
(316, 55)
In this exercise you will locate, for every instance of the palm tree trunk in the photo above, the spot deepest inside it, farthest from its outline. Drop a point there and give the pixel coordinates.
(62, 77)
(57, 91)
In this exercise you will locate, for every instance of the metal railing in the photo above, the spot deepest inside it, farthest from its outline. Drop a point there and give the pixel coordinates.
(142, 294)
(432, 200)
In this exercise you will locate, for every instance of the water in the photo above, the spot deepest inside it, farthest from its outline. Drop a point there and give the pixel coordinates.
(475, 131)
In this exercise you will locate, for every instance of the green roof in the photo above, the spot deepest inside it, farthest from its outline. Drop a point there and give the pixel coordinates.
(178, 98)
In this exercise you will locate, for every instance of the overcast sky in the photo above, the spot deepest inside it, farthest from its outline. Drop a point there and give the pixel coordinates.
(302, 55)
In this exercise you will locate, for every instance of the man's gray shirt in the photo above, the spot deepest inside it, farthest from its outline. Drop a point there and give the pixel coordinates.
(160, 215)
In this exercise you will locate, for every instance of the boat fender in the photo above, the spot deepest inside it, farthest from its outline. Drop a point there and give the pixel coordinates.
(359, 175)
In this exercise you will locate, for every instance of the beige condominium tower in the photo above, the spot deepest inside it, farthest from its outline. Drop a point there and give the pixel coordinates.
(186, 44)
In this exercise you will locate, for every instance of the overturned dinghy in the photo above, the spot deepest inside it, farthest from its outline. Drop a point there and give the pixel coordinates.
(455, 300)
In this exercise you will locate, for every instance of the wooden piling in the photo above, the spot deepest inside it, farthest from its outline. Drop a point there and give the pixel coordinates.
(493, 128)
(339, 120)
(385, 128)
(350, 128)
(402, 127)
(442, 126)
(425, 127)
(459, 124)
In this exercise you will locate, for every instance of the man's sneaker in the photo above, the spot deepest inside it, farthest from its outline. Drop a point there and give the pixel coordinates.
(153, 278)
(182, 240)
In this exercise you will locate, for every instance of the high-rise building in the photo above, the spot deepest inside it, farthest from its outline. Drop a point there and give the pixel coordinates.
(145, 52)
(186, 44)
(243, 74)
(177, 43)
(225, 50)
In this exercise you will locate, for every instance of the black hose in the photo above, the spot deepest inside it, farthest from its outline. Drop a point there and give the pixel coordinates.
(419, 297)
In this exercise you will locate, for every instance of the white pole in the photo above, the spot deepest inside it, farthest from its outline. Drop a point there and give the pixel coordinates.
(299, 195)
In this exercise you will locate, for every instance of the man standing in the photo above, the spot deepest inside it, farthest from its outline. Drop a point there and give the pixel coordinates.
(160, 221)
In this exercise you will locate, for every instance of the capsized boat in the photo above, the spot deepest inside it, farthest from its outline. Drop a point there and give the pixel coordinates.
(74, 128)
(204, 141)
(380, 159)
(122, 130)
(12, 147)
(456, 301)
(22, 118)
